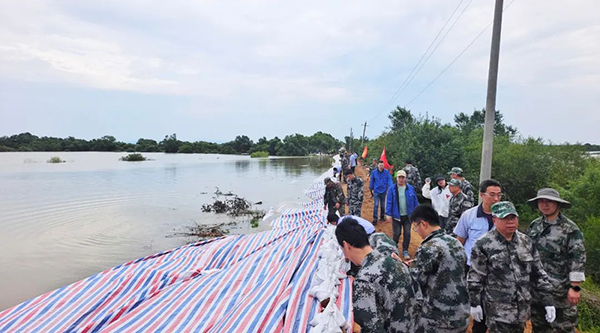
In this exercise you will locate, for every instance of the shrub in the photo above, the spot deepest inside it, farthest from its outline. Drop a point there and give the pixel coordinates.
(55, 159)
(259, 154)
(135, 157)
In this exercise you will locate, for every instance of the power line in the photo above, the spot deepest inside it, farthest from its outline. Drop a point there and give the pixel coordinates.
(456, 58)
(396, 94)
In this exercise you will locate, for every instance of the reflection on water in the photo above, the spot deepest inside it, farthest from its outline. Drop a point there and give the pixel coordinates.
(63, 222)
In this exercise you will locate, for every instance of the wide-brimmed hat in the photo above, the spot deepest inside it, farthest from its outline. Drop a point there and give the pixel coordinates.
(550, 194)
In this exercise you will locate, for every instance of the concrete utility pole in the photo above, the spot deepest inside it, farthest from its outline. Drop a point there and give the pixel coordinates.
(351, 139)
(490, 106)
(362, 139)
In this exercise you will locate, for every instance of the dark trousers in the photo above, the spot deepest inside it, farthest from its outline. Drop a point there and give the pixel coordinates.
(478, 326)
(443, 221)
(378, 201)
(402, 226)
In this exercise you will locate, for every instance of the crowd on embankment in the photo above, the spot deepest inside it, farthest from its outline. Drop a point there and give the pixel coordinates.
(473, 261)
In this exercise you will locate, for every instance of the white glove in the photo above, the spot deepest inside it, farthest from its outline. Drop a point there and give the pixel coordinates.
(550, 313)
(477, 313)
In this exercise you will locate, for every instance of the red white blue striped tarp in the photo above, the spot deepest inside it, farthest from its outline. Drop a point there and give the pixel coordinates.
(245, 283)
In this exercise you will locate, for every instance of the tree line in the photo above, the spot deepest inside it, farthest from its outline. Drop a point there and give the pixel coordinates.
(291, 145)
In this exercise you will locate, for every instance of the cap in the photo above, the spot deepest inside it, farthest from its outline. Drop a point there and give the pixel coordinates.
(550, 194)
(400, 173)
(454, 182)
(456, 170)
(504, 208)
(326, 180)
(439, 177)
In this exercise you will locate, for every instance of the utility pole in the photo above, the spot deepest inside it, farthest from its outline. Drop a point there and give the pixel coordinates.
(362, 139)
(490, 106)
(351, 139)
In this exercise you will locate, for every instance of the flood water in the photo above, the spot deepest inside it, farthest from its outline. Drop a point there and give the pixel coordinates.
(60, 223)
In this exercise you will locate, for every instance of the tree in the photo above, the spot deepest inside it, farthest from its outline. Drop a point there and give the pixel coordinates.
(468, 124)
(400, 118)
(242, 144)
(170, 143)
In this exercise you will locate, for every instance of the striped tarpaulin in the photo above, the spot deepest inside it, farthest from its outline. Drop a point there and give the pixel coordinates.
(244, 283)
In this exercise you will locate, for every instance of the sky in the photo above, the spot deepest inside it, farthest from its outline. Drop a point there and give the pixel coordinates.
(211, 70)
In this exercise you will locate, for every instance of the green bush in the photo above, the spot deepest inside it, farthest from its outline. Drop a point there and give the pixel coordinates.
(259, 154)
(135, 157)
(591, 234)
(55, 159)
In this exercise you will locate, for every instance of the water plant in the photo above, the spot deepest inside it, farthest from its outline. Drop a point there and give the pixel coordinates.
(135, 157)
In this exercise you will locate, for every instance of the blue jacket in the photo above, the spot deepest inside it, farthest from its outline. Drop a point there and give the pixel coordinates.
(380, 181)
(392, 208)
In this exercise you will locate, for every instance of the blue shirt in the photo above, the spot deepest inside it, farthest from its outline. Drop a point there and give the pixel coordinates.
(380, 181)
(472, 225)
(369, 228)
(353, 158)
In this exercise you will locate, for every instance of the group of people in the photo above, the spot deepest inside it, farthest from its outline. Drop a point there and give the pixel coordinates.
(473, 261)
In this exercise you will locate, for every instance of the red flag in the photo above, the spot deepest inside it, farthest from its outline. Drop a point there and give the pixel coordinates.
(365, 152)
(386, 165)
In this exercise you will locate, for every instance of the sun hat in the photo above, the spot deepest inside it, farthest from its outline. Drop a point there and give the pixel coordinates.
(550, 194)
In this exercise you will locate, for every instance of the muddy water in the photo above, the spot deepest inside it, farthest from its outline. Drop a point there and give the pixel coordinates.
(60, 223)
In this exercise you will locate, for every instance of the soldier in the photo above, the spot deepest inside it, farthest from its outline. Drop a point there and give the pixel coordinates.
(505, 268)
(354, 190)
(439, 268)
(413, 177)
(459, 203)
(345, 163)
(384, 297)
(334, 196)
(560, 245)
(467, 188)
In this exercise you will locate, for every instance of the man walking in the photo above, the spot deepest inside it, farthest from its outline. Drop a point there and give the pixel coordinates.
(439, 269)
(384, 296)
(467, 188)
(334, 196)
(413, 177)
(353, 159)
(459, 203)
(560, 245)
(505, 268)
(345, 164)
(401, 200)
(475, 222)
(381, 180)
(354, 190)
(440, 197)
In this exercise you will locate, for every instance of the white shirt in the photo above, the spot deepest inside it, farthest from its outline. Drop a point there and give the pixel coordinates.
(369, 228)
(439, 199)
(471, 226)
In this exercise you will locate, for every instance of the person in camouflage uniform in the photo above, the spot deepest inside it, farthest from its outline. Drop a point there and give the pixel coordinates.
(384, 296)
(345, 162)
(439, 269)
(560, 245)
(505, 268)
(413, 177)
(458, 204)
(355, 192)
(334, 196)
(467, 188)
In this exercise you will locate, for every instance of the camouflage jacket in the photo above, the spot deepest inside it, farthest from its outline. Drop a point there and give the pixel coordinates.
(333, 195)
(467, 189)
(345, 162)
(384, 295)
(561, 249)
(439, 269)
(502, 274)
(383, 243)
(458, 204)
(355, 191)
(413, 177)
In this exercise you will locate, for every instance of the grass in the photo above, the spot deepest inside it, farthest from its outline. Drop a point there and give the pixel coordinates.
(135, 157)
(259, 154)
(55, 159)
(589, 308)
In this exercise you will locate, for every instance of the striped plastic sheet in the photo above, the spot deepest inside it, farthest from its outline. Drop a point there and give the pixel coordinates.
(243, 283)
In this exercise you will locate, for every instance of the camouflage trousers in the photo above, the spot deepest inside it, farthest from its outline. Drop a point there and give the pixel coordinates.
(500, 327)
(432, 326)
(566, 320)
(355, 209)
